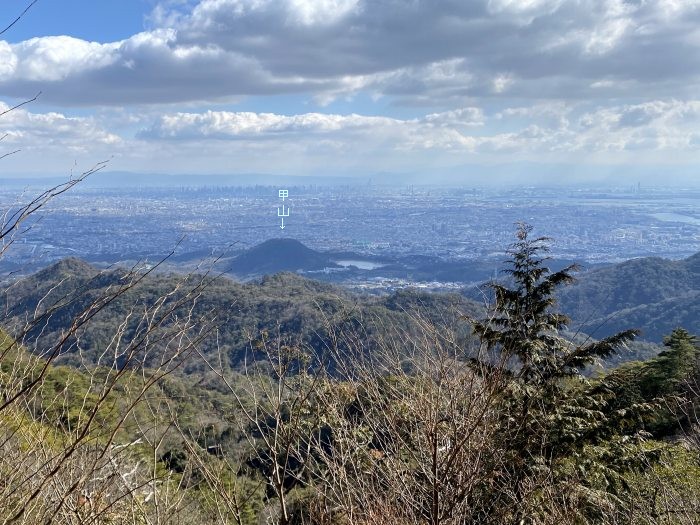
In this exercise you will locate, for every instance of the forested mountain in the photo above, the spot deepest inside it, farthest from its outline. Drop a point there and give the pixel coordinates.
(230, 314)
(197, 399)
(279, 255)
(302, 309)
(656, 295)
(263, 398)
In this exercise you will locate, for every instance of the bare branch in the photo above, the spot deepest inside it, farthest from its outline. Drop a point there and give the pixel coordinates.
(19, 17)
(29, 101)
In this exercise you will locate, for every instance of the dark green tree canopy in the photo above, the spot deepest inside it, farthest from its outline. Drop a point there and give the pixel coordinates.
(524, 325)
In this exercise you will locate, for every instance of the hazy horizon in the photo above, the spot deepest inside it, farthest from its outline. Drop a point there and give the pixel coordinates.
(486, 177)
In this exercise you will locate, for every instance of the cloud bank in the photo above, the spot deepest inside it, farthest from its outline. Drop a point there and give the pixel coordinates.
(448, 82)
(418, 50)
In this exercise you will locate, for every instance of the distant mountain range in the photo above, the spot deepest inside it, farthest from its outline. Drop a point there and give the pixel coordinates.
(653, 294)
(302, 310)
(276, 255)
(513, 174)
(131, 180)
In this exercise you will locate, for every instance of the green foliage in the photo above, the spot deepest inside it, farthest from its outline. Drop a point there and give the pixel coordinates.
(655, 395)
(524, 327)
(666, 374)
(553, 425)
(667, 492)
(548, 425)
(653, 293)
(235, 313)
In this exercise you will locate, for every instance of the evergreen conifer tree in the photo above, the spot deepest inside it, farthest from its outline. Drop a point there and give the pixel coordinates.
(549, 418)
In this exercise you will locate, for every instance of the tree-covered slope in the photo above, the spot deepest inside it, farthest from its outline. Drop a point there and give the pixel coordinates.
(653, 294)
(229, 315)
(260, 425)
(279, 255)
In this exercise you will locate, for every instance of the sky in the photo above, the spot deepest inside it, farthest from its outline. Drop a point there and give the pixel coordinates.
(478, 90)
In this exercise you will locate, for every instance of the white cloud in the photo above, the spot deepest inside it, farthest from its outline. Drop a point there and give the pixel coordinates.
(538, 130)
(485, 79)
(608, 35)
(313, 12)
(438, 131)
(8, 60)
(227, 141)
(222, 124)
(456, 118)
(439, 53)
(52, 143)
(56, 58)
(38, 130)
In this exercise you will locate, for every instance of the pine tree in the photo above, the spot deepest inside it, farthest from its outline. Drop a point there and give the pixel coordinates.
(672, 368)
(524, 326)
(548, 418)
(658, 395)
